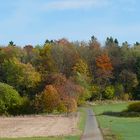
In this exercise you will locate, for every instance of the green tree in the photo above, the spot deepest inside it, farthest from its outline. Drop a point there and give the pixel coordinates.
(137, 70)
(9, 99)
(129, 80)
(44, 62)
(119, 91)
(11, 43)
(19, 75)
(109, 92)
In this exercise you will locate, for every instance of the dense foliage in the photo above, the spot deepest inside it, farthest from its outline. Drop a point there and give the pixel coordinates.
(59, 75)
(9, 98)
(134, 107)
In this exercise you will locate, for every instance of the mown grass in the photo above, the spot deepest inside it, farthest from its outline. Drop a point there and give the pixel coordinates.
(117, 127)
(45, 138)
(81, 125)
(82, 121)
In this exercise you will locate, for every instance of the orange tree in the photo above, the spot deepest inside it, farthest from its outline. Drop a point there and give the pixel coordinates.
(103, 71)
(47, 101)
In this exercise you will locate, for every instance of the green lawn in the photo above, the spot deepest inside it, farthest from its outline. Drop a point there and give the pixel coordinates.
(81, 125)
(43, 138)
(117, 128)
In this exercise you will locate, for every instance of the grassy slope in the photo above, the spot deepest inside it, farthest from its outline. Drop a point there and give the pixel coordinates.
(81, 125)
(123, 128)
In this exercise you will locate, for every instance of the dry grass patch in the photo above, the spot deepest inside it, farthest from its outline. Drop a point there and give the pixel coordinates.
(32, 126)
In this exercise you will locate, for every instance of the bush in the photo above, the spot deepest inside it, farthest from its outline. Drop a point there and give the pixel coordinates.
(61, 107)
(134, 107)
(119, 90)
(25, 107)
(82, 94)
(125, 96)
(9, 99)
(38, 104)
(95, 90)
(109, 92)
(2, 107)
(70, 104)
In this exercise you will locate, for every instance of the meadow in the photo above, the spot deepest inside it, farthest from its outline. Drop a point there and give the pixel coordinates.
(117, 127)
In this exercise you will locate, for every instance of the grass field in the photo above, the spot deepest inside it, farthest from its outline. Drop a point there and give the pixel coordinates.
(47, 138)
(117, 128)
(80, 126)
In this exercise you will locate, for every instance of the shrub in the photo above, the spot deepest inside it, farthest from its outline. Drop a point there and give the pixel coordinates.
(38, 104)
(83, 95)
(125, 96)
(109, 92)
(70, 104)
(61, 107)
(134, 107)
(119, 90)
(9, 99)
(95, 90)
(25, 107)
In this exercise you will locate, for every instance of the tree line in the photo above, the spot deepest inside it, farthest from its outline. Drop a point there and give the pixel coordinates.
(60, 75)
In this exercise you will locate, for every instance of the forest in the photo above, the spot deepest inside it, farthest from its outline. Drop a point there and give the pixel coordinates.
(60, 75)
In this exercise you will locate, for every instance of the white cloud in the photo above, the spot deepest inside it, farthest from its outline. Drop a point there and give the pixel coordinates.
(74, 4)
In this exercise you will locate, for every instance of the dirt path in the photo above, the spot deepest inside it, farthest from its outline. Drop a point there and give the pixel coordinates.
(92, 131)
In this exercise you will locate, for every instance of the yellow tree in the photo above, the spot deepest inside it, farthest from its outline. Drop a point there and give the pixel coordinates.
(81, 67)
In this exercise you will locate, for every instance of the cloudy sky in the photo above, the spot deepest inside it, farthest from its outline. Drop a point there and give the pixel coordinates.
(34, 21)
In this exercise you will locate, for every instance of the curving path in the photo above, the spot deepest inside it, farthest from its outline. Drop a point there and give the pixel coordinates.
(92, 131)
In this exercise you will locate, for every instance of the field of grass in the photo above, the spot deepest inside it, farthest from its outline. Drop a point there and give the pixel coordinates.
(80, 126)
(115, 127)
(43, 138)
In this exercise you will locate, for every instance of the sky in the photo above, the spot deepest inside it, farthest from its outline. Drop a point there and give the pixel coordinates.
(34, 21)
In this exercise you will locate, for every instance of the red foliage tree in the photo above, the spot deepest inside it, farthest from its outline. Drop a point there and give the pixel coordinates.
(104, 66)
(103, 72)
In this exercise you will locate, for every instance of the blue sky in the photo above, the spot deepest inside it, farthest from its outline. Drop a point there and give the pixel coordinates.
(34, 21)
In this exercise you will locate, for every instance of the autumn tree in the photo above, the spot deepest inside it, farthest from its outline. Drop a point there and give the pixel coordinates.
(65, 56)
(44, 62)
(104, 70)
(29, 53)
(66, 89)
(94, 44)
(7, 53)
(81, 67)
(50, 98)
(94, 50)
(104, 67)
(81, 76)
